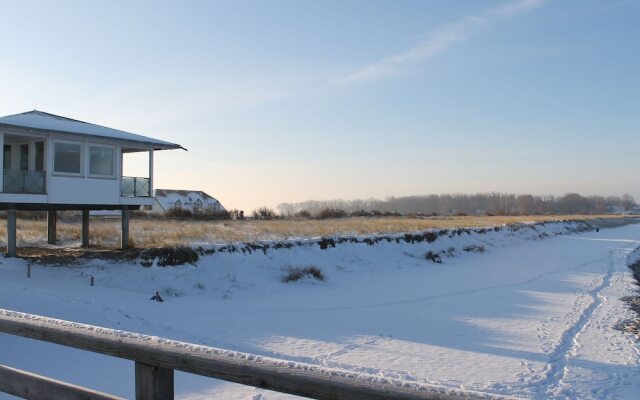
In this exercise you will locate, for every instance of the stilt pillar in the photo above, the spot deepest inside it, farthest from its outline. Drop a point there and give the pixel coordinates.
(52, 223)
(11, 232)
(85, 228)
(125, 229)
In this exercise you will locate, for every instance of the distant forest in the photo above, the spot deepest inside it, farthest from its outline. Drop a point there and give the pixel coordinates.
(466, 204)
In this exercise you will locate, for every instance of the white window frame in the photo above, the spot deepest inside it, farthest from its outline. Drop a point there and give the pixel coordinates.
(82, 158)
(113, 161)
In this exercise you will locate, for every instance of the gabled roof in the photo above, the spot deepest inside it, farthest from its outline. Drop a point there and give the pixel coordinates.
(183, 193)
(40, 120)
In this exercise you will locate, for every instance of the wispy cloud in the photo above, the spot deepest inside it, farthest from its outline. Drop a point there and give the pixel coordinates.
(439, 41)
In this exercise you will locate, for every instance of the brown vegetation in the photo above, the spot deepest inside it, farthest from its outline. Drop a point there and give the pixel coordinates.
(294, 274)
(149, 233)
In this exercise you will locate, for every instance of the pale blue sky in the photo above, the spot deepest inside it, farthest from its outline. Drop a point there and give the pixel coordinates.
(293, 100)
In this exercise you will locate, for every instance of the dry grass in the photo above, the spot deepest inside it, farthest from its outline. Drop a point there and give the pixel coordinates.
(157, 233)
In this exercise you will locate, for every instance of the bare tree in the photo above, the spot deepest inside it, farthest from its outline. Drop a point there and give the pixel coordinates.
(471, 204)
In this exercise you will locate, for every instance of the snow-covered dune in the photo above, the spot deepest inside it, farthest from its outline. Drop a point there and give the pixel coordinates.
(526, 311)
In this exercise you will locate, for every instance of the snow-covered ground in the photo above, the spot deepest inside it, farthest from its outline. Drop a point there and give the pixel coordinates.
(530, 316)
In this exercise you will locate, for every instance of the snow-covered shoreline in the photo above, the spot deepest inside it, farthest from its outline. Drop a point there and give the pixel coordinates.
(544, 228)
(522, 312)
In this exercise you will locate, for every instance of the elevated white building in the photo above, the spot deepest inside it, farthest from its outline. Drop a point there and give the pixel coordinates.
(56, 163)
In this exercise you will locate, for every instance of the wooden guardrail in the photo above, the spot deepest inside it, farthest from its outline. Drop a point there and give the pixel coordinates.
(156, 358)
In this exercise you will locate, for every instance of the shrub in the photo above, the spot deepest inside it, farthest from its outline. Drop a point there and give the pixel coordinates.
(303, 214)
(296, 273)
(434, 257)
(362, 213)
(474, 249)
(430, 237)
(176, 212)
(331, 213)
(141, 214)
(236, 214)
(264, 213)
(208, 215)
(169, 256)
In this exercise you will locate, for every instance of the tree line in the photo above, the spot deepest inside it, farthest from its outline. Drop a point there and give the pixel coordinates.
(465, 204)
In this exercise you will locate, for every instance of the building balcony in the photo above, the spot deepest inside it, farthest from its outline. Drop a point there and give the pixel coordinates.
(22, 181)
(135, 187)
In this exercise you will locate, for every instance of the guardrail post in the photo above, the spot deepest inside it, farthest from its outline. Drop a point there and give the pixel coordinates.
(153, 383)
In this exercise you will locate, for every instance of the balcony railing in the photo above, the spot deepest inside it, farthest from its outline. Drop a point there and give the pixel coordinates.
(134, 187)
(20, 181)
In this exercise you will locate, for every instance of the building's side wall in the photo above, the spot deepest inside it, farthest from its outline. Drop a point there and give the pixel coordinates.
(82, 189)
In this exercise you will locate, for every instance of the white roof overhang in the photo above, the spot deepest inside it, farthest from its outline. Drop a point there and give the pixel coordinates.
(44, 122)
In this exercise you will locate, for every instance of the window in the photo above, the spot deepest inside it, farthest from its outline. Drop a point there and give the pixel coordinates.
(178, 204)
(7, 156)
(67, 158)
(24, 157)
(101, 160)
(39, 156)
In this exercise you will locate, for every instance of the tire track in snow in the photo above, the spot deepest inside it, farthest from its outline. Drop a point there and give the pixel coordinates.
(556, 367)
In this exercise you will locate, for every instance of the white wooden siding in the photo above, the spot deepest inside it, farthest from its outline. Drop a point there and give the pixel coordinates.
(23, 198)
(78, 190)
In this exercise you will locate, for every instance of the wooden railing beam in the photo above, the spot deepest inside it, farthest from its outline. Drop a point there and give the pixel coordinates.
(264, 372)
(35, 387)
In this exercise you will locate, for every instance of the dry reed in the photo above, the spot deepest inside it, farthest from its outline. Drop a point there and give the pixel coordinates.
(147, 233)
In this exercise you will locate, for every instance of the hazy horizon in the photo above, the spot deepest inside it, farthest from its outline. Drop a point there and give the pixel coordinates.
(290, 101)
